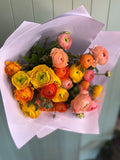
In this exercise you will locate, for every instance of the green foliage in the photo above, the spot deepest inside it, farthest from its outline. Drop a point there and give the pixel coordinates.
(73, 92)
(32, 102)
(73, 59)
(94, 68)
(39, 54)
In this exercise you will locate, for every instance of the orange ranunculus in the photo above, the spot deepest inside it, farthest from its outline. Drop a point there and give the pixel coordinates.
(49, 91)
(62, 73)
(61, 106)
(84, 85)
(12, 68)
(24, 95)
(53, 109)
(59, 58)
(86, 60)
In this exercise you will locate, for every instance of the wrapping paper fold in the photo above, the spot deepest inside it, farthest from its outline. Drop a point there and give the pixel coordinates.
(85, 32)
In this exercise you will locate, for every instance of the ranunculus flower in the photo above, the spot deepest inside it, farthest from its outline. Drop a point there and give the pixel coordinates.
(75, 73)
(61, 95)
(62, 73)
(24, 95)
(96, 90)
(49, 91)
(93, 105)
(81, 102)
(30, 111)
(86, 60)
(89, 75)
(84, 85)
(12, 68)
(59, 58)
(100, 55)
(65, 40)
(20, 80)
(42, 75)
(61, 106)
(67, 84)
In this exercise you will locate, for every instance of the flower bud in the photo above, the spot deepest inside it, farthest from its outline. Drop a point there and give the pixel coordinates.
(108, 74)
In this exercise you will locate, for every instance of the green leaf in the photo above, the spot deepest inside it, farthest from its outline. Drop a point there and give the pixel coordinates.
(45, 43)
(34, 58)
(94, 68)
(73, 56)
(36, 107)
(27, 59)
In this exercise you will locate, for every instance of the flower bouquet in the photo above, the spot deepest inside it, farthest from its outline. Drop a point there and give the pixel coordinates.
(50, 74)
(56, 80)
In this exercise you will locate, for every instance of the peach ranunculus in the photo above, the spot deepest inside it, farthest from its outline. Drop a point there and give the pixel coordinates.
(67, 84)
(24, 95)
(20, 79)
(81, 102)
(62, 73)
(100, 55)
(12, 68)
(65, 40)
(59, 58)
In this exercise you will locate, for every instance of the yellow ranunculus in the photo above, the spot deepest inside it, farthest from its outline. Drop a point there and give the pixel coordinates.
(75, 73)
(96, 90)
(20, 80)
(42, 75)
(30, 111)
(61, 95)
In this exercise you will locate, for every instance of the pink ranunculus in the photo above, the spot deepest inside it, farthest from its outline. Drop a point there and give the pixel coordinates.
(67, 84)
(81, 102)
(93, 105)
(100, 55)
(59, 58)
(89, 75)
(65, 41)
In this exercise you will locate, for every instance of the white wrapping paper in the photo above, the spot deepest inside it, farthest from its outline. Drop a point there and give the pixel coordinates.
(83, 31)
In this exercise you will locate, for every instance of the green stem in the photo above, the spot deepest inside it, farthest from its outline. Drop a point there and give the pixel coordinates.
(99, 73)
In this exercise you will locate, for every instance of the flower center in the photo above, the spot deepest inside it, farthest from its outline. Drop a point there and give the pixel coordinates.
(21, 79)
(66, 40)
(42, 77)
